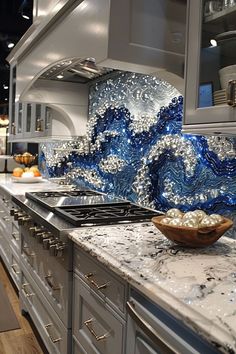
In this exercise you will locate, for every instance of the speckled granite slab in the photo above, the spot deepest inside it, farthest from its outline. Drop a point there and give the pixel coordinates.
(197, 286)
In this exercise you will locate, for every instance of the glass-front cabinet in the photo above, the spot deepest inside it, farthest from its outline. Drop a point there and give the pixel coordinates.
(210, 91)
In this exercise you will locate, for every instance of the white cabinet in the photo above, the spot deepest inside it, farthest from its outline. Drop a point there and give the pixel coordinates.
(209, 101)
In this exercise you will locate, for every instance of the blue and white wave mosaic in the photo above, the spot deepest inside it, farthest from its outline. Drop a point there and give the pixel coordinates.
(134, 149)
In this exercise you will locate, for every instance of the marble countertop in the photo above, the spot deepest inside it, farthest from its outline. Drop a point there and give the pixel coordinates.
(15, 188)
(197, 286)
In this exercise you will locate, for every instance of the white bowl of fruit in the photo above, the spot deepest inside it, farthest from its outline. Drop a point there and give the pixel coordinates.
(26, 175)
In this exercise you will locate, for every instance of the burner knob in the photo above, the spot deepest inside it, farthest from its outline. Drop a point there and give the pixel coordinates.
(18, 215)
(46, 243)
(34, 230)
(52, 249)
(13, 211)
(24, 220)
(60, 249)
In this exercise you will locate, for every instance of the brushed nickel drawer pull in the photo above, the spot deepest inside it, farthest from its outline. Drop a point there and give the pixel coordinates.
(48, 329)
(93, 282)
(23, 287)
(27, 252)
(15, 268)
(14, 235)
(48, 279)
(164, 346)
(89, 325)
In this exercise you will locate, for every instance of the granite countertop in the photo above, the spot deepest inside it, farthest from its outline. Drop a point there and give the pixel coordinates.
(197, 286)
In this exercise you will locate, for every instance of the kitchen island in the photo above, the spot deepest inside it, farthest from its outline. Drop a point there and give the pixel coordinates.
(197, 286)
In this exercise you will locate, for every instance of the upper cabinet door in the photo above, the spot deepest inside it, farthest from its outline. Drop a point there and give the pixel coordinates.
(211, 67)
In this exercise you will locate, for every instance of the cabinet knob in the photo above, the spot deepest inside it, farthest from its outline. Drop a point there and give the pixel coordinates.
(13, 129)
(231, 92)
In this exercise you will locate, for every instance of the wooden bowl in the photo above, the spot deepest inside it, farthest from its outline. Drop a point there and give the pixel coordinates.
(192, 237)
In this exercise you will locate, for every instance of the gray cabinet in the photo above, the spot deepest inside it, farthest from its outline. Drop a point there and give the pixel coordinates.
(99, 296)
(210, 64)
(152, 330)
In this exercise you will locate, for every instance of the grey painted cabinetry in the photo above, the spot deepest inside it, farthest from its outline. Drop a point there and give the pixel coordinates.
(209, 100)
(99, 298)
(9, 238)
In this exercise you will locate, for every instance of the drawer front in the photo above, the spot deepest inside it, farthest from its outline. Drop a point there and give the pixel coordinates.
(51, 329)
(76, 347)
(95, 326)
(15, 269)
(109, 287)
(52, 276)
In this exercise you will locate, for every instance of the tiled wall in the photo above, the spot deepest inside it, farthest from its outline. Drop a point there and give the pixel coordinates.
(134, 149)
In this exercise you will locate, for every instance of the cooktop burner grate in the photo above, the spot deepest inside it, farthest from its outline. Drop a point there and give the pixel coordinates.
(101, 214)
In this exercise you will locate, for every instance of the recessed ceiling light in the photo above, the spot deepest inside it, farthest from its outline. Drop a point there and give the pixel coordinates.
(26, 16)
(60, 76)
(10, 45)
(6, 99)
(213, 43)
(5, 87)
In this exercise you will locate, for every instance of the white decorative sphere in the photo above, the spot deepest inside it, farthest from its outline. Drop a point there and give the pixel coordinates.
(176, 222)
(207, 221)
(174, 213)
(200, 214)
(166, 221)
(191, 223)
(190, 215)
(218, 218)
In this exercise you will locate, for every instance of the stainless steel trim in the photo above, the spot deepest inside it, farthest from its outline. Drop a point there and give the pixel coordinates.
(148, 329)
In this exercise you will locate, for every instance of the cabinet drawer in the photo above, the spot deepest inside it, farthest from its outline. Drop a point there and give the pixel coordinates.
(110, 288)
(95, 326)
(51, 329)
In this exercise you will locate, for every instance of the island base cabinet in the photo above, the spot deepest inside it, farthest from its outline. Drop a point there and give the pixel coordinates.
(97, 328)
(55, 336)
(77, 349)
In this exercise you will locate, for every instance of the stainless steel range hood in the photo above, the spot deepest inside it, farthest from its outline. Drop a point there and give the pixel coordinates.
(75, 70)
(91, 39)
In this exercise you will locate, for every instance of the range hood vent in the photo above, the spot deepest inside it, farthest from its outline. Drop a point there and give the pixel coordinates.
(75, 70)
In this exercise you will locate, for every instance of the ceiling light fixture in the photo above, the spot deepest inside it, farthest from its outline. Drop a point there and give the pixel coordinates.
(5, 87)
(60, 76)
(89, 64)
(213, 43)
(11, 45)
(26, 9)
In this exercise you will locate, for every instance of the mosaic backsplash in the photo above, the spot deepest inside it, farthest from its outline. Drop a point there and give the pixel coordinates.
(134, 149)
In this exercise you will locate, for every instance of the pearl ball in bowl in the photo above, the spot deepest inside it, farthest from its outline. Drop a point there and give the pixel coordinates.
(176, 222)
(174, 213)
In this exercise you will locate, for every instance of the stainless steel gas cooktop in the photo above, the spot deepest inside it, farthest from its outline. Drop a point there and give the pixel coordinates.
(53, 199)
